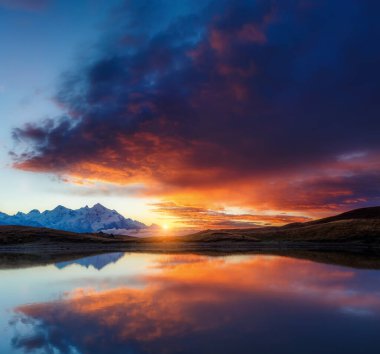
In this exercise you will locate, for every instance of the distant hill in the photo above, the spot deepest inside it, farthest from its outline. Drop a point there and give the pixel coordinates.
(362, 213)
(97, 218)
(355, 230)
(27, 235)
(360, 225)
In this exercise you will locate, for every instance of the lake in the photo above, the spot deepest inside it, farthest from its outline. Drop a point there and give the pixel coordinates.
(173, 303)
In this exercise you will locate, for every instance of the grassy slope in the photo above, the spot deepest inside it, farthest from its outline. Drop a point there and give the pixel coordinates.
(350, 239)
(361, 226)
(25, 234)
(357, 226)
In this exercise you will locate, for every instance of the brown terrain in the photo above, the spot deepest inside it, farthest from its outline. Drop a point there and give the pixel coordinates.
(360, 226)
(351, 238)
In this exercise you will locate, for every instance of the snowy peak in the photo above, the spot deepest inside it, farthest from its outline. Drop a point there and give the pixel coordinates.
(34, 212)
(97, 218)
(99, 207)
(59, 208)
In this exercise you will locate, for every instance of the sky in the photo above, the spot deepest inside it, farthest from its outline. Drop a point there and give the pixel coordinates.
(191, 113)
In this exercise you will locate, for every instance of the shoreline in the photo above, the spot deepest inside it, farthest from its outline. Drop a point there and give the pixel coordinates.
(168, 246)
(353, 255)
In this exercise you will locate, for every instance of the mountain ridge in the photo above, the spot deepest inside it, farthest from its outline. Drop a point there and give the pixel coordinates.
(83, 220)
(353, 232)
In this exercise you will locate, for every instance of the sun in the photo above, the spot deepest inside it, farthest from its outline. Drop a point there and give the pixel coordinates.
(165, 227)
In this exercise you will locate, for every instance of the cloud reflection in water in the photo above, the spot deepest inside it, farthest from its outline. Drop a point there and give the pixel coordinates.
(197, 304)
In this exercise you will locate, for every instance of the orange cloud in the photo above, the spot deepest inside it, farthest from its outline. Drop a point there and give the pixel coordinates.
(247, 105)
(202, 217)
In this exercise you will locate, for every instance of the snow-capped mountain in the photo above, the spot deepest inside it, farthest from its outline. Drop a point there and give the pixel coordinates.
(97, 218)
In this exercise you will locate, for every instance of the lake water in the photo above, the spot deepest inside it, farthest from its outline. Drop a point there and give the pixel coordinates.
(147, 303)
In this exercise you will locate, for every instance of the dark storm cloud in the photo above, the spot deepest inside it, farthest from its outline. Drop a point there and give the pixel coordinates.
(330, 192)
(28, 5)
(211, 92)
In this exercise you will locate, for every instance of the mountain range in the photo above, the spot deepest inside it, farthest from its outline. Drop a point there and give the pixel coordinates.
(356, 231)
(83, 220)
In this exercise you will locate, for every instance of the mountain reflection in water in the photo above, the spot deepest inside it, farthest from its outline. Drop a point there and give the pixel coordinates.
(98, 261)
(199, 304)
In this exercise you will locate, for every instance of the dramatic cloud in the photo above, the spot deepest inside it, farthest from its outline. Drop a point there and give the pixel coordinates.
(267, 104)
(28, 5)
